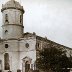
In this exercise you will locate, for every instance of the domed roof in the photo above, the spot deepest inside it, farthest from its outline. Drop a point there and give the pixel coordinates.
(12, 4)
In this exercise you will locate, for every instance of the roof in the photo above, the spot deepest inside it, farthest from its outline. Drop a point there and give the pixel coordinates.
(51, 42)
(27, 34)
(12, 4)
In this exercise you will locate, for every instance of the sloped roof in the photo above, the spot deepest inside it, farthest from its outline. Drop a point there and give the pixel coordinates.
(27, 34)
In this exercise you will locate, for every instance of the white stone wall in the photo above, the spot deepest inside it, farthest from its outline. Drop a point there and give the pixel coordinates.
(14, 27)
(12, 50)
(28, 52)
(13, 16)
(2, 54)
(17, 51)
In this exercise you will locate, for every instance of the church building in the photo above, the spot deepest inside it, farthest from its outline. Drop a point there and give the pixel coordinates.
(19, 50)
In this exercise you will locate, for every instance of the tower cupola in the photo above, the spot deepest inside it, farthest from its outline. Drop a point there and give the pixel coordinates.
(12, 4)
(12, 20)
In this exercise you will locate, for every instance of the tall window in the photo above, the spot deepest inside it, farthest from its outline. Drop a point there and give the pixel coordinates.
(37, 46)
(6, 17)
(20, 18)
(6, 62)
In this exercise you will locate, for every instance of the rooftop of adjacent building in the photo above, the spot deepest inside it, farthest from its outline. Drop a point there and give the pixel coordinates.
(45, 39)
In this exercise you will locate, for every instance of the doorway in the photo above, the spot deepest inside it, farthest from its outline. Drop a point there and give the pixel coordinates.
(26, 64)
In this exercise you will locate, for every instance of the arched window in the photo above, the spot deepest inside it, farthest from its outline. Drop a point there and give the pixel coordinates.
(6, 61)
(37, 45)
(6, 17)
(20, 18)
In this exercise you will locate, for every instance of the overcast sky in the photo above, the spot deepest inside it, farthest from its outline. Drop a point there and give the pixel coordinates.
(50, 18)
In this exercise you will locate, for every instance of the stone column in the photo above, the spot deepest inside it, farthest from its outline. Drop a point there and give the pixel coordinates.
(23, 67)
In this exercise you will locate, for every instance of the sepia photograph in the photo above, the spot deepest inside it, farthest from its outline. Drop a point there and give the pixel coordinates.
(35, 35)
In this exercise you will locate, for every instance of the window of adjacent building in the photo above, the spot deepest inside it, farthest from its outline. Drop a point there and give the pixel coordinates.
(6, 61)
(37, 45)
(6, 17)
(6, 45)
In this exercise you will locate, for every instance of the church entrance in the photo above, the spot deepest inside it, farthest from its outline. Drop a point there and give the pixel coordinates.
(26, 64)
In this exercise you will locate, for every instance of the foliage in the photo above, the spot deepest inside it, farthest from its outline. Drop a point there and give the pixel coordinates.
(53, 59)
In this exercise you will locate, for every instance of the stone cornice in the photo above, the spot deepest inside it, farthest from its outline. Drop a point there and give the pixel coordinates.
(13, 24)
(19, 39)
(11, 39)
(12, 8)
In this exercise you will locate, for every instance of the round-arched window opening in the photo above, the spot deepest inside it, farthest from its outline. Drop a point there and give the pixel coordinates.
(6, 17)
(6, 45)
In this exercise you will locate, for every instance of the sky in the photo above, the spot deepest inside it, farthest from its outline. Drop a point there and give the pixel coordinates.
(47, 18)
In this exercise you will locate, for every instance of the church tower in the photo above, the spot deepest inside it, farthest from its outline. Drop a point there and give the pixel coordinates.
(17, 49)
(12, 20)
